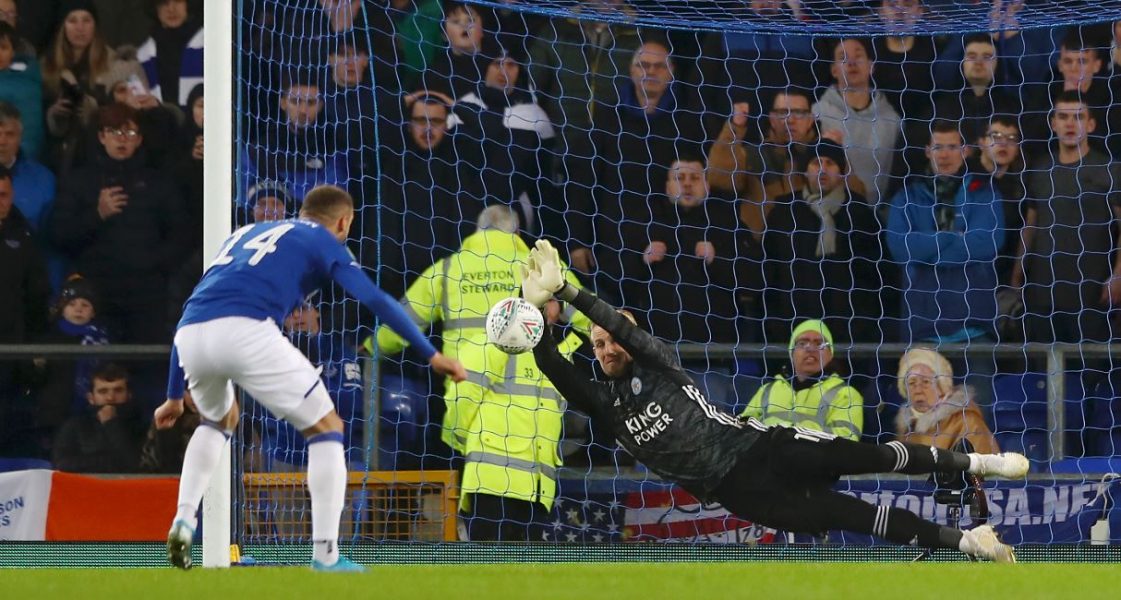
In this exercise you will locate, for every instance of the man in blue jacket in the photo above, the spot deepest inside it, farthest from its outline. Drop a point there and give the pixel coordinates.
(945, 227)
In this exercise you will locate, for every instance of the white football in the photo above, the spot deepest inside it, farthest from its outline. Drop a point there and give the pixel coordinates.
(514, 325)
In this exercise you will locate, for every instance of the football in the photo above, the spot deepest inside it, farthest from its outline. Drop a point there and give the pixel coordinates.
(514, 325)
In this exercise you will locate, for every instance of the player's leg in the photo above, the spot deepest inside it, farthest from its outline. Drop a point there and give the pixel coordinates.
(213, 396)
(828, 510)
(823, 454)
(282, 380)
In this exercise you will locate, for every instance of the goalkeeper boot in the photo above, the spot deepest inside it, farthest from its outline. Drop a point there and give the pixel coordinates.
(983, 542)
(343, 565)
(179, 544)
(1008, 465)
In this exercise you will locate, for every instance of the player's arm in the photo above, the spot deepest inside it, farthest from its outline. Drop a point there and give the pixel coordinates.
(355, 282)
(172, 408)
(420, 303)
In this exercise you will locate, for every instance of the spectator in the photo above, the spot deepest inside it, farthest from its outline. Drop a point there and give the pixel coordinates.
(105, 439)
(34, 184)
(111, 208)
(23, 302)
(504, 135)
(903, 58)
(860, 117)
(21, 84)
(821, 253)
(419, 35)
(159, 123)
(361, 109)
(301, 147)
(172, 56)
(1002, 157)
(945, 227)
(506, 418)
(65, 382)
(633, 140)
(310, 30)
(977, 100)
(762, 173)
(34, 188)
(459, 69)
(9, 13)
(682, 266)
(78, 70)
(1069, 277)
(814, 396)
(753, 67)
(574, 64)
(938, 413)
(1080, 65)
(423, 212)
(270, 201)
(23, 297)
(163, 449)
(1025, 53)
(342, 376)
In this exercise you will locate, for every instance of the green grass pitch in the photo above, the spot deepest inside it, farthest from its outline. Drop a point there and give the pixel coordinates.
(614, 581)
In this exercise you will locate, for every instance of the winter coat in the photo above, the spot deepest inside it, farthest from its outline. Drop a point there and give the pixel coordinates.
(23, 295)
(129, 255)
(21, 85)
(949, 253)
(947, 423)
(184, 49)
(686, 299)
(842, 288)
(85, 445)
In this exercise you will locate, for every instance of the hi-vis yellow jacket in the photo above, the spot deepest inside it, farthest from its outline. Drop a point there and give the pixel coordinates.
(506, 418)
(831, 406)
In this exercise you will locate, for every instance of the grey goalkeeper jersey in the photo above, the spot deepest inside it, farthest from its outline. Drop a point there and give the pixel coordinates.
(657, 412)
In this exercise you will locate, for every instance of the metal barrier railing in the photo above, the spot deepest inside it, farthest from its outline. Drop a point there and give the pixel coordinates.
(1055, 355)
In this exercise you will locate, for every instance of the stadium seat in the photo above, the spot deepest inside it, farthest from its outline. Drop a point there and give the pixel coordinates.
(1032, 443)
(1020, 402)
(404, 412)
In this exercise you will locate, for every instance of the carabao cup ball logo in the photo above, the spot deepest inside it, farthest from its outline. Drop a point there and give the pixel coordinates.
(514, 325)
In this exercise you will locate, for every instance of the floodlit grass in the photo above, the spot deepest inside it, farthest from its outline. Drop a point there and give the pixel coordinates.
(619, 581)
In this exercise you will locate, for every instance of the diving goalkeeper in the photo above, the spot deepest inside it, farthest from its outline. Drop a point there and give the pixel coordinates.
(776, 476)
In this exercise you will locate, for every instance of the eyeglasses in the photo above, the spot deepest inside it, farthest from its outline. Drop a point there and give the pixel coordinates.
(792, 114)
(1004, 138)
(814, 346)
(126, 133)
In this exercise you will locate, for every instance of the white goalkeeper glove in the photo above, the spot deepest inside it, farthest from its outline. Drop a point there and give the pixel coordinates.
(542, 276)
(531, 285)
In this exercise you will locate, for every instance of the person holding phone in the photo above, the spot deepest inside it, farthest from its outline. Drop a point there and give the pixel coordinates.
(120, 222)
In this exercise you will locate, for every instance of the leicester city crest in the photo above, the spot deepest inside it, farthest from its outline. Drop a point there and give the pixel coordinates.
(636, 386)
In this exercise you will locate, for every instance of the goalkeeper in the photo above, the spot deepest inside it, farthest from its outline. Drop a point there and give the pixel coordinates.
(776, 476)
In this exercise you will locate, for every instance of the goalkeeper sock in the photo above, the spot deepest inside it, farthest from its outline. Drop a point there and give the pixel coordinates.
(203, 452)
(326, 482)
(916, 459)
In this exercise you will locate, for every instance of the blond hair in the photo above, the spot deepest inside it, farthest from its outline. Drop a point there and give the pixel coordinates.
(326, 202)
(59, 57)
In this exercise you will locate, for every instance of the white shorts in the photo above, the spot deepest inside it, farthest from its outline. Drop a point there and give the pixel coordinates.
(257, 357)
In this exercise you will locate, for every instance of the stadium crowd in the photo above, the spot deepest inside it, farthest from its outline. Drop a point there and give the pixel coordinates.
(724, 186)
